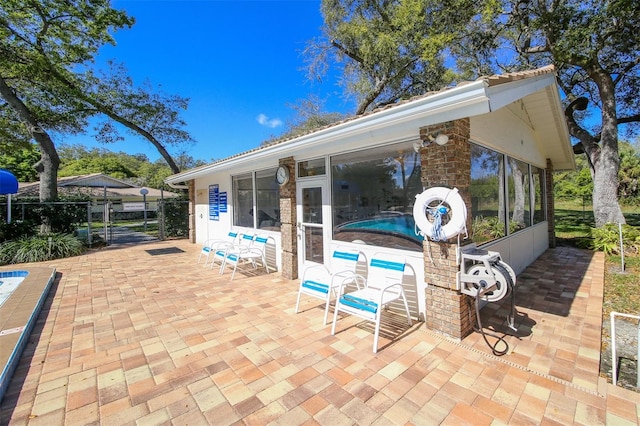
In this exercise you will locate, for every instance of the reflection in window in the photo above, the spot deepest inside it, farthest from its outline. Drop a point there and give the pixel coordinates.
(267, 198)
(538, 179)
(519, 200)
(487, 194)
(267, 201)
(242, 200)
(373, 192)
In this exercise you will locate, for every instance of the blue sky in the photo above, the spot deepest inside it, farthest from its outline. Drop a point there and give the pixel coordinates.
(240, 63)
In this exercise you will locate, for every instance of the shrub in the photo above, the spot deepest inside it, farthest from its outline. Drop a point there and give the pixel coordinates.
(64, 215)
(16, 229)
(39, 248)
(176, 217)
(607, 239)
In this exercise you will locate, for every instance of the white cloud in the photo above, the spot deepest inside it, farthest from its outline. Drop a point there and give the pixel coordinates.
(266, 121)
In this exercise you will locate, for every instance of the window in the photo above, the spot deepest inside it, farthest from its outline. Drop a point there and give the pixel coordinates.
(266, 196)
(487, 194)
(243, 200)
(372, 196)
(519, 197)
(311, 168)
(267, 201)
(493, 203)
(538, 179)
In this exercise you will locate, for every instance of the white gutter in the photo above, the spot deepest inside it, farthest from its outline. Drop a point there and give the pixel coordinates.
(455, 103)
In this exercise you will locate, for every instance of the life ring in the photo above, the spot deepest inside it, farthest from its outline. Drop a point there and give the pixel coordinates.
(458, 213)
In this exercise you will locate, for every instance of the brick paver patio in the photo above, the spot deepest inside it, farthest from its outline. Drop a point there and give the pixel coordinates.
(129, 337)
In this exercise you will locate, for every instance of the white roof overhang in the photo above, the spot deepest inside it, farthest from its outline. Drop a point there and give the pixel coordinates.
(465, 100)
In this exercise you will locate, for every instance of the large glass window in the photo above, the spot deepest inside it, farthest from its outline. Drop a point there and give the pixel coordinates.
(487, 194)
(266, 196)
(373, 192)
(267, 201)
(243, 200)
(538, 180)
(519, 196)
(494, 204)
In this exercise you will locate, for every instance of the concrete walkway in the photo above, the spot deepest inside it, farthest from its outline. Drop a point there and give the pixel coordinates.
(143, 335)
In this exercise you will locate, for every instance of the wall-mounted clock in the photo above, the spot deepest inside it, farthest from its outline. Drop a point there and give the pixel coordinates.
(282, 175)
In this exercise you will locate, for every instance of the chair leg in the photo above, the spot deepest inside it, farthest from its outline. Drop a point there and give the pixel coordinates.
(406, 308)
(377, 332)
(326, 306)
(335, 316)
(298, 301)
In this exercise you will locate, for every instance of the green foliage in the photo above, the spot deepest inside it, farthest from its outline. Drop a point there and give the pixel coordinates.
(136, 168)
(64, 216)
(40, 248)
(16, 229)
(578, 185)
(176, 217)
(388, 51)
(19, 159)
(490, 228)
(487, 228)
(607, 239)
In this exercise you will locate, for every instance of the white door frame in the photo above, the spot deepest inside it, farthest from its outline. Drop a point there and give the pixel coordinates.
(303, 226)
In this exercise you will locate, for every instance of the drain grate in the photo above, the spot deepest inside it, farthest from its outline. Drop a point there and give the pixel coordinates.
(168, 250)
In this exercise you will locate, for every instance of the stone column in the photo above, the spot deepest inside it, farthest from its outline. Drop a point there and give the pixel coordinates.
(288, 220)
(449, 165)
(550, 204)
(192, 211)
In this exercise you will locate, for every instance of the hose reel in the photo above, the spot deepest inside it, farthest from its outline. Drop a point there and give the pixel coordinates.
(485, 277)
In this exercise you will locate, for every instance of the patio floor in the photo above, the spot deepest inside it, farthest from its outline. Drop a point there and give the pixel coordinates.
(143, 335)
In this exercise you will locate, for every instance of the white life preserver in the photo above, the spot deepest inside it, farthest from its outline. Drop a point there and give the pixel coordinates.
(458, 214)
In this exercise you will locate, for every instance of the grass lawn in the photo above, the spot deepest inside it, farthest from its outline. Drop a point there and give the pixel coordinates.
(622, 290)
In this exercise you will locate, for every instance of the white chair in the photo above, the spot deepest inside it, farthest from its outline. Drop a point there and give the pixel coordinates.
(220, 253)
(383, 286)
(320, 281)
(247, 253)
(210, 246)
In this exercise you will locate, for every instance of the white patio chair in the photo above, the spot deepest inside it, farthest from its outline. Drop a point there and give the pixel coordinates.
(220, 253)
(247, 253)
(210, 246)
(321, 282)
(383, 286)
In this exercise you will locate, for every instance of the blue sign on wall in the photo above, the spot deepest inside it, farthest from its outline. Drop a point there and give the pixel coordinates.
(222, 201)
(217, 202)
(214, 208)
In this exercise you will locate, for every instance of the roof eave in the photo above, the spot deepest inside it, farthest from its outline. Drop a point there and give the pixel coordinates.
(454, 103)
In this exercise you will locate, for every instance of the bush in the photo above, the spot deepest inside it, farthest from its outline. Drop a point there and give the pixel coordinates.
(64, 218)
(39, 248)
(176, 217)
(607, 239)
(16, 229)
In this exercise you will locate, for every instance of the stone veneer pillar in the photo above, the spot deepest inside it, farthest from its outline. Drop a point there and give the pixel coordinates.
(448, 311)
(550, 204)
(288, 220)
(192, 211)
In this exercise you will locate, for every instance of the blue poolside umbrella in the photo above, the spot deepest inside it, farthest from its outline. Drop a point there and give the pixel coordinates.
(8, 186)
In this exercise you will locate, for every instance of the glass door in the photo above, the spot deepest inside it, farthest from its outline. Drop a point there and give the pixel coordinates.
(313, 215)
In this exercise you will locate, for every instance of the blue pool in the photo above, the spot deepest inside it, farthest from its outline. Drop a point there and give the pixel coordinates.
(394, 224)
(9, 281)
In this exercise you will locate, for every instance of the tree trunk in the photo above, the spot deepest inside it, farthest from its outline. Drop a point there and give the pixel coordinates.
(606, 159)
(47, 167)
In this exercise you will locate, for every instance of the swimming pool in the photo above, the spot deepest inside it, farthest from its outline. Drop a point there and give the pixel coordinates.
(394, 224)
(9, 281)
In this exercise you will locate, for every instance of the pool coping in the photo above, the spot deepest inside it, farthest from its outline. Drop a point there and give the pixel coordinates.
(18, 316)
